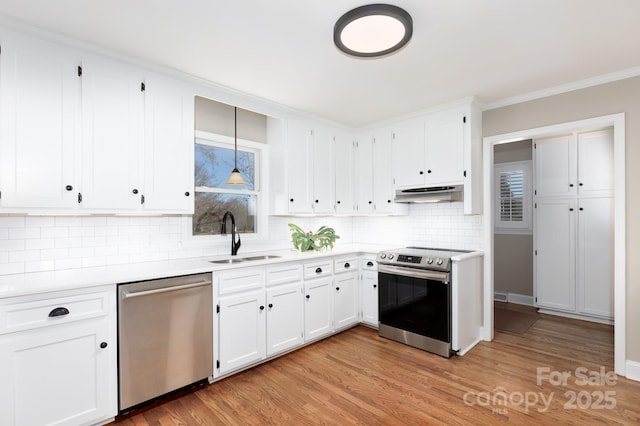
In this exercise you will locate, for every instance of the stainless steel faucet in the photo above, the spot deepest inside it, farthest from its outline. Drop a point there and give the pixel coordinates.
(223, 231)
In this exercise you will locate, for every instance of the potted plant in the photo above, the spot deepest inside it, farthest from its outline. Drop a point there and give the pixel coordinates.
(323, 238)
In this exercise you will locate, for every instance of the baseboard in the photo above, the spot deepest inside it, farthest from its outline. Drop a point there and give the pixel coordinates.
(632, 370)
(575, 316)
(520, 299)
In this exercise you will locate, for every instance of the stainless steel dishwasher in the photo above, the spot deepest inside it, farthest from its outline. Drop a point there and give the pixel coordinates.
(165, 336)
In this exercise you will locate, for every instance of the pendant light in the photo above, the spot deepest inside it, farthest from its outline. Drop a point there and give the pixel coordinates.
(235, 178)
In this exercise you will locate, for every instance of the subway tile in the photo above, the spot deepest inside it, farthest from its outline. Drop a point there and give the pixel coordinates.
(24, 256)
(43, 243)
(117, 259)
(89, 262)
(55, 232)
(68, 263)
(39, 266)
(94, 241)
(54, 254)
(23, 233)
(81, 231)
(68, 242)
(81, 252)
(12, 222)
(68, 221)
(4, 257)
(40, 221)
(94, 221)
(11, 268)
(4, 233)
(12, 245)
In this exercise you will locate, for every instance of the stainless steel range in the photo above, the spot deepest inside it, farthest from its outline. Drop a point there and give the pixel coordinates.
(415, 297)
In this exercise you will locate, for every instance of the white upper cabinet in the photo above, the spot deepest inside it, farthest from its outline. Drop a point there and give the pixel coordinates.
(39, 91)
(383, 175)
(409, 154)
(168, 145)
(323, 171)
(555, 166)
(365, 173)
(444, 134)
(299, 167)
(595, 163)
(112, 132)
(344, 174)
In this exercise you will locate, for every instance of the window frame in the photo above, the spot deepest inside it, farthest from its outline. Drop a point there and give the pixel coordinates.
(525, 227)
(260, 151)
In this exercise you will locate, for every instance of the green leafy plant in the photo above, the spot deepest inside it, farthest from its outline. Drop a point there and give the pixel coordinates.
(324, 237)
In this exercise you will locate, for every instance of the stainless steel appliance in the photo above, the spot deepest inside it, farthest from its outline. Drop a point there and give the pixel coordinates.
(165, 336)
(415, 297)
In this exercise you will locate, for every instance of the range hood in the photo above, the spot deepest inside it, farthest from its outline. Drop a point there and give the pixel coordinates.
(431, 194)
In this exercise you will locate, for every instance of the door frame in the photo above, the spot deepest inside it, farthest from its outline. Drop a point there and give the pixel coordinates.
(617, 121)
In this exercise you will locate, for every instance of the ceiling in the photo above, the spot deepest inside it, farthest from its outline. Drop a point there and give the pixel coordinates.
(283, 51)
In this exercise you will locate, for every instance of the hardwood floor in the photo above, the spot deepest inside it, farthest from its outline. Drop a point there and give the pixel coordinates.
(356, 377)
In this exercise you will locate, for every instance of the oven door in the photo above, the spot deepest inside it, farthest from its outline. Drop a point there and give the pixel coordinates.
(415, 300)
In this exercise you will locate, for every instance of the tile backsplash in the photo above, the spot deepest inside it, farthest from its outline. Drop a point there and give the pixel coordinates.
(45, 243)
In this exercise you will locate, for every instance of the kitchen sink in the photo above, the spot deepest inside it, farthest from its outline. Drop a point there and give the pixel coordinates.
(243, 259)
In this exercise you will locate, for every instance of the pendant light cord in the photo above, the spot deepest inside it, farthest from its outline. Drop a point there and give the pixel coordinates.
(235, 134)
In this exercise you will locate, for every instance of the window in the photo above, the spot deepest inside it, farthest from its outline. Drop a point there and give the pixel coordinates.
(513, 197)
(214, 160)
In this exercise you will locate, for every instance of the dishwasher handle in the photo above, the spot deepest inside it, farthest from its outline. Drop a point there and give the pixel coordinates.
(166, 289)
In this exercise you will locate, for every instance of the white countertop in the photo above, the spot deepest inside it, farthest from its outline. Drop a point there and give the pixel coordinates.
(43, 282)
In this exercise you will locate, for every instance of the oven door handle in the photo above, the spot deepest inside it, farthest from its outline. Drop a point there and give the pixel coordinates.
(415, 273)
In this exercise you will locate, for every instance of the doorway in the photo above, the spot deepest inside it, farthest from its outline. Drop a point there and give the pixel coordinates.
(617, 121)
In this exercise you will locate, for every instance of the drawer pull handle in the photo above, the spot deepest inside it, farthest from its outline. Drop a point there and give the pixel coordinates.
(103, 345)
(369, 263)
(58, 312)
(270, 305)
(375, 286)
(262, 308)
(347, 266)
(318, 270)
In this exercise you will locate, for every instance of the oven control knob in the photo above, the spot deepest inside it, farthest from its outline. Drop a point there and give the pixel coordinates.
(383, 255)
(429, 260)
(439, 262)
(390, 257)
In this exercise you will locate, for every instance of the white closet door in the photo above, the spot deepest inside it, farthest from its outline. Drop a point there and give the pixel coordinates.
(595, 256)
(595, 163)
(555, 258)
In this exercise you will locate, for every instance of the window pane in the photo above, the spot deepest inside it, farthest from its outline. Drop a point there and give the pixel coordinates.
(211, 207)
(213, 165)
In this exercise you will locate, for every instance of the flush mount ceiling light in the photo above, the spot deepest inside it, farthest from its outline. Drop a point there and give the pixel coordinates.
(373, 30)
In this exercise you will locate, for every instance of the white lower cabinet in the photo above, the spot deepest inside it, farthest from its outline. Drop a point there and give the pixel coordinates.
(58, 358)
(318, 312)
(285, 318)
(345, 300)
(369, 297)
(241, 330)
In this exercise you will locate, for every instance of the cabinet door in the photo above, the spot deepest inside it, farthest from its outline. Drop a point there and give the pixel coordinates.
(595, 163)
(444, 141)
(58, 375)
(323, 174)
(408, 155)
(364, 198)
(370, 298)
(168, 147)
(39, 90)
(112, 107)
(345, 300)
(555, 259)
(241, 330)
(299, 167)
(285, 319)
(318, 312)
(555, 166)
(595, 256)
(344, 182)
(382, 173)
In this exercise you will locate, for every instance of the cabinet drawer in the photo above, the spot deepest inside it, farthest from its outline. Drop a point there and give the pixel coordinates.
(369, 264)
(239, 280)
(54, 311)
(345, 264)
(282, 274)
(318, 269)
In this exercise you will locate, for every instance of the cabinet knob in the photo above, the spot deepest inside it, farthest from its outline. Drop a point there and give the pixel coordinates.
(69, 188)
(135, 191)
(308, 296)
(337, 288)
(318, 270)
(375, 286)
(571, 209)
(262, 308)
(370, 202)
(347, 265)
(580, 184)
(58, 312)
(186, 194)
(369, 263)
(291, 200)
(581, 209)
(570, 185)
(338, 201)
(270, 305)
(103, 345)
(428, 171)
(317, 201)
(388, 201)
(421, 172)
